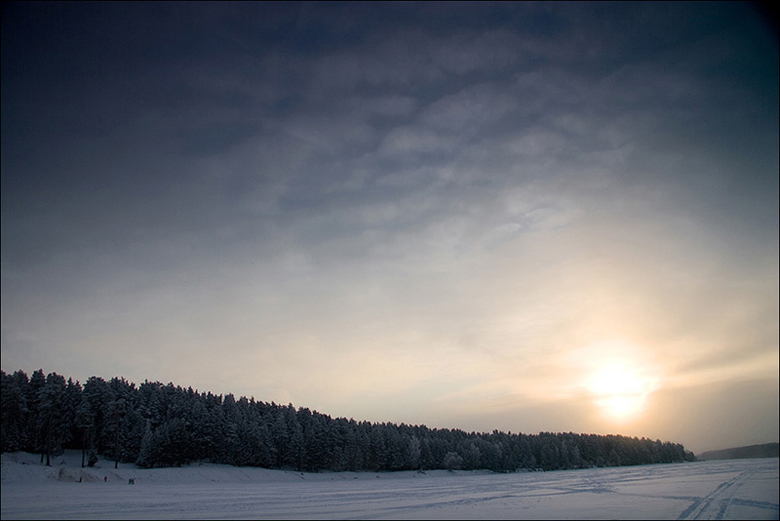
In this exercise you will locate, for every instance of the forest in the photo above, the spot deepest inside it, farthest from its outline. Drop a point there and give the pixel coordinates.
(158, 425)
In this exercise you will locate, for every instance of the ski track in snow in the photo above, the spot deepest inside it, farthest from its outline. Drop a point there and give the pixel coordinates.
(734, 489)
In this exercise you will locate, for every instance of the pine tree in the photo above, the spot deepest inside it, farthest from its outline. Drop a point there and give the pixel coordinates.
(452, 461)
(148, 455)
(14, 412)
(280, 438)
(50, 417)
(35, 439)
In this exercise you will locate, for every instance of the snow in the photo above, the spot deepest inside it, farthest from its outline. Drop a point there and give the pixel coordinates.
(725, 489)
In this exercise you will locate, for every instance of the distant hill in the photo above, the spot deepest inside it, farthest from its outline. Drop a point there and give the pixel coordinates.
(765, 450)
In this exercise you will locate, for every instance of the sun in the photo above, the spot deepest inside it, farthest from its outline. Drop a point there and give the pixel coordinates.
(617, 376)
(620, 389)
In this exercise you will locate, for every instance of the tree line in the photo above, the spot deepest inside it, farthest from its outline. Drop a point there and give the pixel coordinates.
(157, 425)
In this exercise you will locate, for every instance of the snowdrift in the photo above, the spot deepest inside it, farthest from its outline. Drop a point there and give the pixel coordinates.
(23, 467)
(728, 489)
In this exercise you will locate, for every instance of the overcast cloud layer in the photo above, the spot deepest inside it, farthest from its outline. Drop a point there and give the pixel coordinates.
(455, 214)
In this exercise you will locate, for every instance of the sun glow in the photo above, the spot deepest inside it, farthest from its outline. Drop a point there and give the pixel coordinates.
(619, 390)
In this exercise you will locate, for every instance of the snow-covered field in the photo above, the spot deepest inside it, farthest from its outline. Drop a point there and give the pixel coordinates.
(732, 489)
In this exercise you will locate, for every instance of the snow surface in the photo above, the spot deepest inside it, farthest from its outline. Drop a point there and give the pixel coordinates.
(726, 489)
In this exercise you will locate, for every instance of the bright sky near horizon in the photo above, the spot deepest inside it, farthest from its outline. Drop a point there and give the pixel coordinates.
(515, 216)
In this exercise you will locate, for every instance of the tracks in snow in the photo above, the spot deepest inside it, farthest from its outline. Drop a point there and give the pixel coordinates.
(715, 505)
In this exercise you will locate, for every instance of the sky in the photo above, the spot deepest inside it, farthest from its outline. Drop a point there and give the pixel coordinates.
(516, 216)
